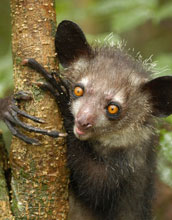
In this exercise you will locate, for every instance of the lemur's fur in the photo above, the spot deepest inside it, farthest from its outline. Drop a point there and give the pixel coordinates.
(111, 157)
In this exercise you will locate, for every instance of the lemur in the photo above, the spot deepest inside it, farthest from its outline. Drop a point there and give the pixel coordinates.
(109, 103)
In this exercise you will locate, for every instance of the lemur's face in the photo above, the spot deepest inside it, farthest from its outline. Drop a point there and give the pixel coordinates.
(107, 101)
(95, 108)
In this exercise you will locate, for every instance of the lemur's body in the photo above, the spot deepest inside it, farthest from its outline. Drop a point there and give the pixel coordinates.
(112, 165)
(108, 109)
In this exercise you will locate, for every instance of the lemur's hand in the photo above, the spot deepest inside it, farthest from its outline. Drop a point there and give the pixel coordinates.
(9, 113)
(58, 88)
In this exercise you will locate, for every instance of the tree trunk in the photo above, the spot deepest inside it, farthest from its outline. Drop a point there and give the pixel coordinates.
(39, 174)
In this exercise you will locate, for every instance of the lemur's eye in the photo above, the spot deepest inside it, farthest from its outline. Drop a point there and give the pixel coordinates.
(78, 91)
(113, 110)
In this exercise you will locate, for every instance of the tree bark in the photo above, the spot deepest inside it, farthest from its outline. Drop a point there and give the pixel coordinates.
(39, 174)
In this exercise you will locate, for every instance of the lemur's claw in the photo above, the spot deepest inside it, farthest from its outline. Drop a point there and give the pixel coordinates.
(10, 115)
(59, 88)
(22, 95)
(25, 62)
(21, 136)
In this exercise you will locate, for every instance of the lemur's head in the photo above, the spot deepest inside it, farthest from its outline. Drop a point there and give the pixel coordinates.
(112, 95)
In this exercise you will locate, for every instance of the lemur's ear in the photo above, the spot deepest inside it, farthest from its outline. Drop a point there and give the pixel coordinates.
(70, 43)
(160, 90)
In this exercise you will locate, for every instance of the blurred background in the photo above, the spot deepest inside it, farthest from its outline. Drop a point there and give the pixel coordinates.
(146, 26)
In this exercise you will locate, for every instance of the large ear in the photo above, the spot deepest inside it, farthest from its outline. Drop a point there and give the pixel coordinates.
(70, 43)
(160, 90)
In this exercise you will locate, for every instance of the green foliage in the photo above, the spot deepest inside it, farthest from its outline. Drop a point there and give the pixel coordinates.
(103, 38)
(163, 12)
(5, 52)
(165, 155)
(165, 64)
(126, 14)
(68, 10)
(165, 142)
(6, 81)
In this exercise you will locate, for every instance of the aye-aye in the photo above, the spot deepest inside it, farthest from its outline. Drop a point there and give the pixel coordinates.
(109, 105)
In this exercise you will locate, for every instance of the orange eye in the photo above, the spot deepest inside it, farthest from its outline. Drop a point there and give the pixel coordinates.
(78, 91)
(113, 109)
